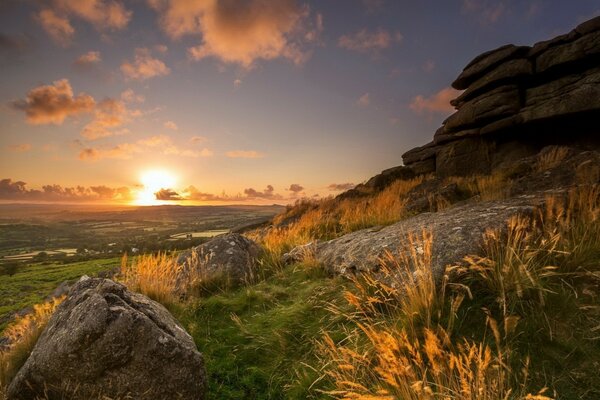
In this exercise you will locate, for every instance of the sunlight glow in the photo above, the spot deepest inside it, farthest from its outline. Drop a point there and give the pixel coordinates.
(153, 181)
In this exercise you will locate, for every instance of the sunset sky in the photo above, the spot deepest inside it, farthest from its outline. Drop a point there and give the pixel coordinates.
(258, 101)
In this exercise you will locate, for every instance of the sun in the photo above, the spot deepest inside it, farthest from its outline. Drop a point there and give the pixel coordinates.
(152, 181)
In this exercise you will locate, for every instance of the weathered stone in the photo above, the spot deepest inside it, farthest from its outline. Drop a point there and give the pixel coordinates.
(507, 72)
(386, 177)
(423, 167)
(589, 26)
(544, 45)
(105, 341)
(464, 157)
(457, 232)
(498, 103)
(229, 257)
(441, 136)
(566, 96)
(419, 153)
(486, 61)
(576, 51)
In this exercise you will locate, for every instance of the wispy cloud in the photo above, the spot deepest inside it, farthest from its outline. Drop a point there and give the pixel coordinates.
(487, 11)
(244, 154)
(171, 125)
(144, 66)
(88, 60)
(364, 100)
(364, 41)
(436, 103)
(19, 148)
(55, 17)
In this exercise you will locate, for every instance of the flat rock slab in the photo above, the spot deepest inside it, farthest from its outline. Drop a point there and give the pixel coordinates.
(104, 340)
(457, 232)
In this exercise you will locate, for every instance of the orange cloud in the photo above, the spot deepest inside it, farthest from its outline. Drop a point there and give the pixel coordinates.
(122, 151)
(108, 114)
(129, 96)
(58, 27)
(171, 125)
(364, 100)
(19, 148)
(270, 29)
(87, 60)
(244, 154)
(52, 104)
(437, 103)
(103, 14)
(18, 190)
(295, 188)
(364, 41)
(267, 193)
(168, 195)
(144, 66)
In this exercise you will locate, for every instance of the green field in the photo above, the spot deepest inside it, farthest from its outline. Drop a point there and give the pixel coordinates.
(31, 284)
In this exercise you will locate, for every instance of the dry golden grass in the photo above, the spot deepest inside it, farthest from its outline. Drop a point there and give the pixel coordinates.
(488, 187)
(400, 350)
(23, 335)
(156, 276)
(551, 159)
(332, 218)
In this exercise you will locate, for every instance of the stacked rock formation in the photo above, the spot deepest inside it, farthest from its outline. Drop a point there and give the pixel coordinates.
(516, 100)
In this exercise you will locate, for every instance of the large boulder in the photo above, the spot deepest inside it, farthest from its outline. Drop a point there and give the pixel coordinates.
(230, 257)
(104, 341)
(457, 232)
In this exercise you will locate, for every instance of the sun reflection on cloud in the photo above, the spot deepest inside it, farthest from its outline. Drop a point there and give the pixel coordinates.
(153, 181)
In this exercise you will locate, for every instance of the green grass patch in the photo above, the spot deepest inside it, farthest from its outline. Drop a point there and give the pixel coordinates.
(258, 341)
(31, 284)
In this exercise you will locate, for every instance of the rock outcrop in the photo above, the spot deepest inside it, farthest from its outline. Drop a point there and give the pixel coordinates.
(516, 100)
(231, 257)
(104, 340)
(456, 233)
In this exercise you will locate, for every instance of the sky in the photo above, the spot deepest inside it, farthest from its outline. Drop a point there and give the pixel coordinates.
(231, 101)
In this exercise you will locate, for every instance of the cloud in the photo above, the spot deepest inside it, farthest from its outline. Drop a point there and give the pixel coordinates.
(270, 29)
(161, 48)
(108, 115)
(102, 14)
(122, 151)
(437, 103)
(267, 193)
(18, 190)
(170, 125)
(364, 100)
(198, 139)
(144, 66)
(58, 27)
(169, 148)
(487, 11)
(19, 148)
(88, 60)
(244, 154)
(192, 193)
(428, 66)
(237, 83)
(52, 104)
(338, 187)
(129, 96)
(168, 195)
(295, 188)
(364, 41)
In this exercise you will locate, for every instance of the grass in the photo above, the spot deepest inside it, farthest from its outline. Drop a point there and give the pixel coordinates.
(33, 283)
(518, 321)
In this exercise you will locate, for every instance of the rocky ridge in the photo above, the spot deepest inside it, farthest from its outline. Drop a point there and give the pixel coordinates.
(517, 100)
